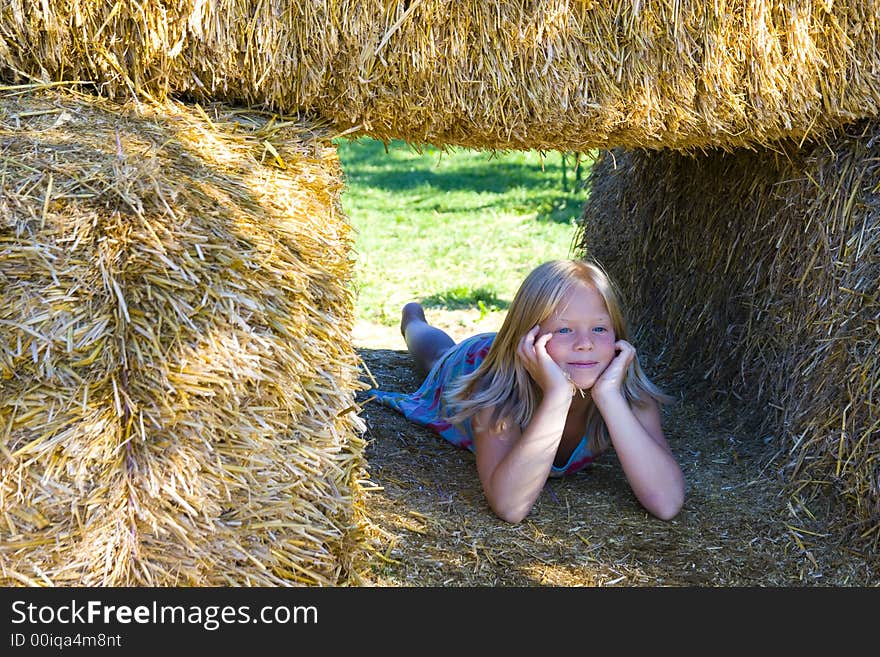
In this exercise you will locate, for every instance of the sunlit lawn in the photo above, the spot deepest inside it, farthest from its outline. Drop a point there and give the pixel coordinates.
(453, 229)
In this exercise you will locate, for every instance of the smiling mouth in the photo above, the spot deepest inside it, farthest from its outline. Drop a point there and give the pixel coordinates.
(584, 365)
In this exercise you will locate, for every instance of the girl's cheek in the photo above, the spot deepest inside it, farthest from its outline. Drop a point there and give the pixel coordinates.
(553, 348)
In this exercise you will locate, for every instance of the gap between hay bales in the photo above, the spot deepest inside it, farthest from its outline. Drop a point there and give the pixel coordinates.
(433, 528)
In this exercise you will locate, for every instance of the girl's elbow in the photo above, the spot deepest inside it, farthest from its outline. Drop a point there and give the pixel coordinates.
(509, 514)
(506, 517)
(668, 506)
(668, 512)
(513, 517)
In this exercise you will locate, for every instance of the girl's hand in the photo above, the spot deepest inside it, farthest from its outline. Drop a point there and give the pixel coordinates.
(611, 380)
(532, 350)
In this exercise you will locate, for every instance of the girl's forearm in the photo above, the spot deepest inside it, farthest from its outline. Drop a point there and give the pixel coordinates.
(520, 475)
(651, 470)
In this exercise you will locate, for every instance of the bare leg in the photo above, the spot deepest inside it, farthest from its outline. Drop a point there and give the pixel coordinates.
(425, 343)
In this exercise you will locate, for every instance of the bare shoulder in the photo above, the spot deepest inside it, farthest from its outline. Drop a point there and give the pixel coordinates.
(484, 426)
(493, 440)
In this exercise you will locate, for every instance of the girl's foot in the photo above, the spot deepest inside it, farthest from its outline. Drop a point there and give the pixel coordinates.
(412, 310)
(424, 342)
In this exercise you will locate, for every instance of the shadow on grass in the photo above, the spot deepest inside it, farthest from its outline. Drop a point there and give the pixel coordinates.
(459, 298)
(560, 209)
(368, 164)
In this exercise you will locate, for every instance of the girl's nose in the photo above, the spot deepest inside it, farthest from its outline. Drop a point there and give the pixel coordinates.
(583, 341)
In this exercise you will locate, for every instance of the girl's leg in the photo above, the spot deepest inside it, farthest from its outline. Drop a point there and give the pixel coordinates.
(425, 343)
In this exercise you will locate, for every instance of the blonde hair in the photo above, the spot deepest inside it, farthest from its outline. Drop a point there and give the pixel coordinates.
(502, 382)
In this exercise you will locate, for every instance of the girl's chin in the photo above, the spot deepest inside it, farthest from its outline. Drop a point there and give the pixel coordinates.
(584, 377)
(580, 393)
(582, 382)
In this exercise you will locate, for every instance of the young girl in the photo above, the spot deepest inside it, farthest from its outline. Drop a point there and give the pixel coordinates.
(555, 387)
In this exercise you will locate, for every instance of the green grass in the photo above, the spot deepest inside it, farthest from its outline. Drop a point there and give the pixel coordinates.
(453, 229)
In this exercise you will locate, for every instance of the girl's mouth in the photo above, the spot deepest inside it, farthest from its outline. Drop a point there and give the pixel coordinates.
(584, 364)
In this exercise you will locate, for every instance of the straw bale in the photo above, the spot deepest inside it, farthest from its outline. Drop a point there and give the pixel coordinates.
(176, 374)
(757, 276)
(569, 75)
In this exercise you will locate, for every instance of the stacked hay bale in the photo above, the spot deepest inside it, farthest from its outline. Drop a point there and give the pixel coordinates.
(176, 372)
(540, 74)
(757, 273)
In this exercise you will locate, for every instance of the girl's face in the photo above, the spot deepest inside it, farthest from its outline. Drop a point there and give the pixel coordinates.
(583, 336)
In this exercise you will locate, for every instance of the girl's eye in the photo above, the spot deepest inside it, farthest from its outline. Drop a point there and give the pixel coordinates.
(564, 330)
(600, 329)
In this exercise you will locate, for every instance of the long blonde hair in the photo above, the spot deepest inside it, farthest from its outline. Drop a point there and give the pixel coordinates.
(502, 382)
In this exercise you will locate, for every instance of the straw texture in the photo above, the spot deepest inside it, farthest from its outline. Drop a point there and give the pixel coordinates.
(567, 75)
(755, 274)
(176, 373)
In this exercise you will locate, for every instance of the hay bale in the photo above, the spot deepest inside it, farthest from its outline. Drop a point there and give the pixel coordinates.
(554, 75)
(758, 274)
(175, 358)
